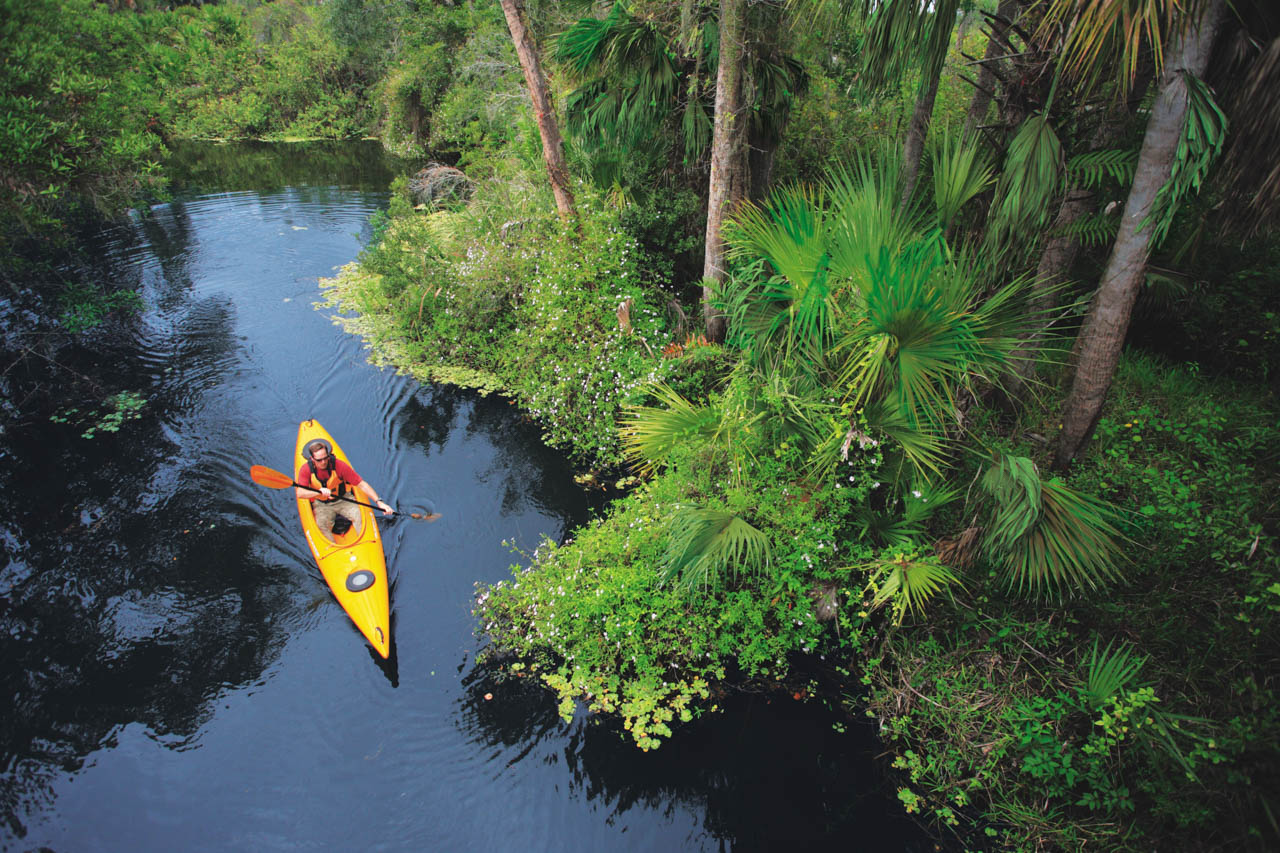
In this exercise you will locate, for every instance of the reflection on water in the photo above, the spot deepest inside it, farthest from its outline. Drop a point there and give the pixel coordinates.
(177, 675)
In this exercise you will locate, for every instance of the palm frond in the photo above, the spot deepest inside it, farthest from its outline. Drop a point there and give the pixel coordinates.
(903, 34)
(650, 434)
(1095, 230)
(960, 172)
(696, 125)
(795, 411)
(1093, 167)
(788, 316)
(913, 344)
(1100, 30)
(865, 215)
(902, 524)
(908, 582)
(774, 85)
(1198, 147)
(705, 543)
(1251, 173)
(788, 231)
(1015, 484)
(924, 449)
(1110, 672)
(1047, 536)
(630, 82)
(1028, 183)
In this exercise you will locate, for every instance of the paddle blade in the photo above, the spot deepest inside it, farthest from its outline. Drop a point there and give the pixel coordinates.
(264, 476)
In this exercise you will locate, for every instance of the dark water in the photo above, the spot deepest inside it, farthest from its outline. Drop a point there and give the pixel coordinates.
(177, 675)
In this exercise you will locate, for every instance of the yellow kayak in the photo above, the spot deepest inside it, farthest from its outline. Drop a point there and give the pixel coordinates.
(352, 563)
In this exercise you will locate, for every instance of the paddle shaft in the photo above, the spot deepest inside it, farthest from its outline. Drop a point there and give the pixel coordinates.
(272, 479)
(339, 497)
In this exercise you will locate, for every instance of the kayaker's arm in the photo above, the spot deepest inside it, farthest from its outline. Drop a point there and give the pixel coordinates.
(369, 493)
(305, 494)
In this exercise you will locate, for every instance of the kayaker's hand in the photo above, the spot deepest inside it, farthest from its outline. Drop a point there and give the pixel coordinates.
(386, 508)
(325, 494)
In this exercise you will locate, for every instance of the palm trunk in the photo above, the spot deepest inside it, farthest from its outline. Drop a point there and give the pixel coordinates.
(725, 187)
(1105, 327)
(913, 148)
(1062, 248)
(986, 85)
(544, 112)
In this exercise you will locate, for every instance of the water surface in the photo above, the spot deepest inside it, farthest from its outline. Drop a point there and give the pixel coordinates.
(178, 676)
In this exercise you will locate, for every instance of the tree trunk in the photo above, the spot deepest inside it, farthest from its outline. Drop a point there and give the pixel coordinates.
(913, 148)
(725, 187)
(544, 112)
(986, 86)
(1107, 323)
(1061, 249)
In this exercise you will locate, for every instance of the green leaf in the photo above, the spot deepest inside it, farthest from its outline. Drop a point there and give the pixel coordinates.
(704, 543)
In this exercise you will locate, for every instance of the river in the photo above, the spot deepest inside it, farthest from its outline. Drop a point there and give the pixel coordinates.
(178, 676)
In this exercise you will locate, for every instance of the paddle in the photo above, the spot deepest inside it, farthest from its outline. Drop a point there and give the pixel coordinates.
(264, 476)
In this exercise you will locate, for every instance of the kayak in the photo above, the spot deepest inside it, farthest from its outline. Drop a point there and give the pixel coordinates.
(352, 563)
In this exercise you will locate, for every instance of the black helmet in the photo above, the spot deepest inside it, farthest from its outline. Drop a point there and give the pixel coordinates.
(310, 448)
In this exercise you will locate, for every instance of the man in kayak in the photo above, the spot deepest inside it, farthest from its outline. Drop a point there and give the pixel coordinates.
(329, 477)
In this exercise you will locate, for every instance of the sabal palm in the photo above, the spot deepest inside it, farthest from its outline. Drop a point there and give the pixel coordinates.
(630, 83)
(704, 545)
(651, 434)
(1048, 537)
(759, 409)
(960, 173)
(885, 309)
(637, 83)
(907, 582)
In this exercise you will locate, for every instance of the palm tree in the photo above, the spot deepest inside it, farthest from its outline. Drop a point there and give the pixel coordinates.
(638, 83)
(726, 186)
(1152, 200)
(869, 298)
(544, 112)
(903, 33)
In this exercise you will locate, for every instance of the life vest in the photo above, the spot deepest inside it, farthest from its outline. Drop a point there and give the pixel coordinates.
(333, 484)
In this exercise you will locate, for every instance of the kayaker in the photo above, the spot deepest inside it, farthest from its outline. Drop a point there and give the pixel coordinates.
(329, 476)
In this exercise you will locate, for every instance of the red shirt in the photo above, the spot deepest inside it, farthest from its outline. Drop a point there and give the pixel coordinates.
(346, 473)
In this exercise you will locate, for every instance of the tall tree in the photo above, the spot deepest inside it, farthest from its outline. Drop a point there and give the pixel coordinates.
(726, 186)
(1102, 336)
(544, 112)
